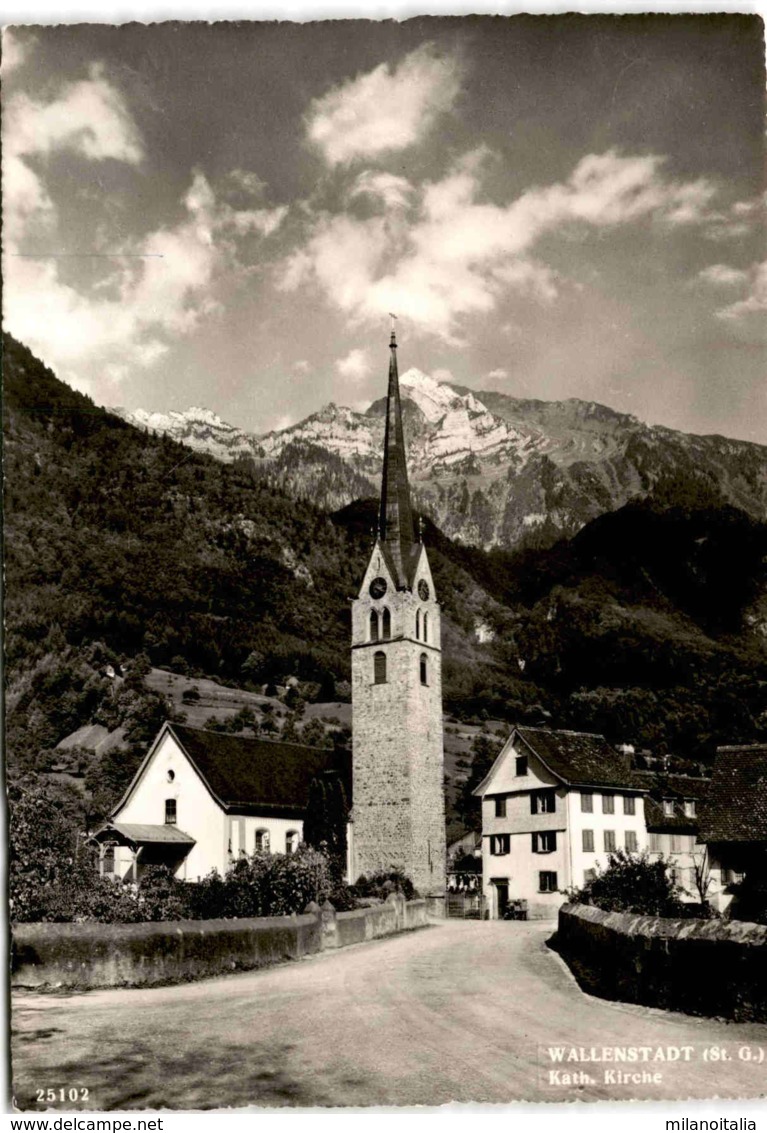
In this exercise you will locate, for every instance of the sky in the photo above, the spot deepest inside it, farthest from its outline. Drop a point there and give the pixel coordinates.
(224, 215)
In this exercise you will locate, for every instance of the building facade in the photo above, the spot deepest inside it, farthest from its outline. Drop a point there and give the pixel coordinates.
(397, 739)
(672, 811)
(554, 806)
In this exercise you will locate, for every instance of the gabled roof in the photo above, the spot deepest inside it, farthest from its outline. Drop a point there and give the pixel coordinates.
(245, 773)
(735, 809)
(583, 759)
(662, 785)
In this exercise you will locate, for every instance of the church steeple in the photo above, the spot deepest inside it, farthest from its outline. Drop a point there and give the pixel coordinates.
(395, 522)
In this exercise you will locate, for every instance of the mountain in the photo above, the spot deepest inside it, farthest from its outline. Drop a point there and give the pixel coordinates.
(490, 470)
(124, 550)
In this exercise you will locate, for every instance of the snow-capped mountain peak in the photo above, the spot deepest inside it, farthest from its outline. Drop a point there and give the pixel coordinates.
(432, 397)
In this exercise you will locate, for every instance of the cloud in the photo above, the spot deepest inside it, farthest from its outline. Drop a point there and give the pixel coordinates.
(385, 109)
(498, 375)
(88, 117)
(721, 275)
(154, 287)
(755, 302)
(740, 219)
(14, 52)
(248, 181)
(452, 254)
(355, 365)
(388, 188)
(159, 288)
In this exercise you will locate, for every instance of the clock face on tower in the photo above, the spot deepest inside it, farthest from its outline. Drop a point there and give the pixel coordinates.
(423, 590)
(377, 587)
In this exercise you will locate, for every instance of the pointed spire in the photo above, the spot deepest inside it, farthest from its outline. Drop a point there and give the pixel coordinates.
(396, 518)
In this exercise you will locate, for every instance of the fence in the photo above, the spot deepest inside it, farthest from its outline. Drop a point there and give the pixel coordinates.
(466, 906)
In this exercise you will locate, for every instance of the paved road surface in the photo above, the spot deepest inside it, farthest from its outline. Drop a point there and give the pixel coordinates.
(462, 1011)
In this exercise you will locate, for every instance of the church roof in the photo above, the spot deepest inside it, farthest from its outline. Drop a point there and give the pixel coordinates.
(252, 775)
(395, 521)
(735, 809)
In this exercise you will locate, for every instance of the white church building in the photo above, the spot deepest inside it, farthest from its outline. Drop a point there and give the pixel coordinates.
(201, 799)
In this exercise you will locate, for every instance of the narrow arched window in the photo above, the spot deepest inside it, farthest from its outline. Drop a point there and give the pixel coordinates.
(424, 670)
(262, 840)
(418, 623)
(291, 841)
(386, 624)
(425, 626)
(379, 668)
(374, 625)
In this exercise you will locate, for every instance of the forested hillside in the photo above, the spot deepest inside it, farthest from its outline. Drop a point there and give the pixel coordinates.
(124, 548)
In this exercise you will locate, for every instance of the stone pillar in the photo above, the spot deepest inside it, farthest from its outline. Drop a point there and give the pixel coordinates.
(329, 927)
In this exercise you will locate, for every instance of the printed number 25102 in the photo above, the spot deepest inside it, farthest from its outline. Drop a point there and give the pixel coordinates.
(62, 1094)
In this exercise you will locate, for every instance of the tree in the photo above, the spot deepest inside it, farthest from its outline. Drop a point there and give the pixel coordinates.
(632, 883)
(326, 818)
(484, 751)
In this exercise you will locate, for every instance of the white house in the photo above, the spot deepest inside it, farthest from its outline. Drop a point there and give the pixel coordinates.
(672, 813)
(554, 805)
(201, 799)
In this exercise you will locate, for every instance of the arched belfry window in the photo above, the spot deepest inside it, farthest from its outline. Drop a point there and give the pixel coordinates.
(379, 668)
(425, 626)
(386, 624)
(424, 670)
(418, 623)
(374, 625)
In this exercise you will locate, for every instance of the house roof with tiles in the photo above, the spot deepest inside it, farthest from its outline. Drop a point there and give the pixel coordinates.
(579, 759)
(677, 789)
(735, 809)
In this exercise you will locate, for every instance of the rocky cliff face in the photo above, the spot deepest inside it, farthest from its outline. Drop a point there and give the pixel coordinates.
(490, 470)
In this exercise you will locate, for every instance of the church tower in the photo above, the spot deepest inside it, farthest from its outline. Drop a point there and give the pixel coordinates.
(399, 799)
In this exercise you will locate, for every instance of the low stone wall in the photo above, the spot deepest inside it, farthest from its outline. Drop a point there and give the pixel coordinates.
(701, 967)
(48, 957)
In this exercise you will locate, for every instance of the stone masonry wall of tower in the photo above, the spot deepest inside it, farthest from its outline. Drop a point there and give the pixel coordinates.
(399, 805)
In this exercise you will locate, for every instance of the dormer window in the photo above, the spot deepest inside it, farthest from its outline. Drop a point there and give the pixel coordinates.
(668, 808)
(689, 808)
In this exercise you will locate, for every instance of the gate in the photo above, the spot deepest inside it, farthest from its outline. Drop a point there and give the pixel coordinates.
(466, 906)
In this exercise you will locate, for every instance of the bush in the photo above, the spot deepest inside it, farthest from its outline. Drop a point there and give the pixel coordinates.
(632, 884)
(384, 882)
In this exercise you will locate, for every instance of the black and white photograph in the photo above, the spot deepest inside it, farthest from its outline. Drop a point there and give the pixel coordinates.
(384, 553)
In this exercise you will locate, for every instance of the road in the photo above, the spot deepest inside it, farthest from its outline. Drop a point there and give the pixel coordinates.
(462, 1011)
